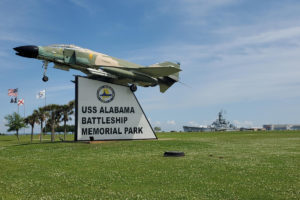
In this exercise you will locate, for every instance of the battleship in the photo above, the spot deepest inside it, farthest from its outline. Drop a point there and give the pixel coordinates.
(220, 124)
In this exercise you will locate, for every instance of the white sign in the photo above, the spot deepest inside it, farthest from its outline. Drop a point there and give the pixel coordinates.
(108, 111)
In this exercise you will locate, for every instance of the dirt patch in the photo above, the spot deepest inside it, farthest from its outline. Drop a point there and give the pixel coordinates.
(166, 138)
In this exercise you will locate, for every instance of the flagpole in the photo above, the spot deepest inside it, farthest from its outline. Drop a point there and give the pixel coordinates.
(45, 97)
(17, 99)
(24, 116)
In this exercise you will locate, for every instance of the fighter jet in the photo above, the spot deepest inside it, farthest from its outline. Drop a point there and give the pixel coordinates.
(103, 67)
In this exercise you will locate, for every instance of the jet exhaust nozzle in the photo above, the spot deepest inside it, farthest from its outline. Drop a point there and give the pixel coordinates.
(29, 51)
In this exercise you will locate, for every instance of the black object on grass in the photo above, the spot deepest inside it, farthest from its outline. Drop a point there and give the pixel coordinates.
(173, 154)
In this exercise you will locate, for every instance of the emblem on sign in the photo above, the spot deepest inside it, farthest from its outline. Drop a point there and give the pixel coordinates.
(105, 94)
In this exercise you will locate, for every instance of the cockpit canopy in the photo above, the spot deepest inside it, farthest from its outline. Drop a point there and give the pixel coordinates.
(69, 46)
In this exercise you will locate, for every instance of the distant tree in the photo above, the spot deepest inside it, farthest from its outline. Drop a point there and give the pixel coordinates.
(31, 120)
(66, 111)
(157, 129)
(14, 123)
(47, 128)
(42, 115)
(71, 128)
(60, 129)
(54, 111)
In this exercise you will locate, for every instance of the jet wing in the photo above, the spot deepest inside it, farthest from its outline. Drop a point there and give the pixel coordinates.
(153, 71)
(157, 71)
(61, 67)
(99, 72)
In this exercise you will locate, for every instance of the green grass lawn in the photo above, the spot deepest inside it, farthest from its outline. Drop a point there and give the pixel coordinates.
(232, 165)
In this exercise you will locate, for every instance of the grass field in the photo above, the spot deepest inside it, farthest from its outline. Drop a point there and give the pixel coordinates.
(231, 165)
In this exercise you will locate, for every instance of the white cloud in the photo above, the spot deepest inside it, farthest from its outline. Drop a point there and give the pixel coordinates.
(157, 123)
(59, 88)
(244, 124)
(188, 12)
(15, 26)
(261, 66)
(192, 8)
(171, 122)
(86, 5)
(193, 123)
(3, 128)
(271, 36)
(5, 36)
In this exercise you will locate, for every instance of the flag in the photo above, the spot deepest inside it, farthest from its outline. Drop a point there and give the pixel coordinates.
(41, 94)
(21, 102)
(13, 92)
(13, 100)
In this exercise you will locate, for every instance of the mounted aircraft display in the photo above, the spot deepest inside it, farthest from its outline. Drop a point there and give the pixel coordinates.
(103, 67)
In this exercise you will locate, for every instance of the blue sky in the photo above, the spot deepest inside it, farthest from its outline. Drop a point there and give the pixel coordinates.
(242, 56)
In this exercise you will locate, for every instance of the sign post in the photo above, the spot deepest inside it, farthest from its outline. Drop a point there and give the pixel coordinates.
(106, 111)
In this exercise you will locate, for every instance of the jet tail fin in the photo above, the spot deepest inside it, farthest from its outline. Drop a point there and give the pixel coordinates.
(170, 65)
(167, 81)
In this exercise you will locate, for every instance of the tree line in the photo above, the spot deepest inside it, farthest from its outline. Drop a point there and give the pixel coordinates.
(49, 116)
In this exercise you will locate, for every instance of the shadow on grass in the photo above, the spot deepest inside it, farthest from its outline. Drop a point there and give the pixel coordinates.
(40, 143)
(7, 140)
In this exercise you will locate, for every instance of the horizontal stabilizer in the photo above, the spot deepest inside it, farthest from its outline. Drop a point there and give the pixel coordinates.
(167, 81)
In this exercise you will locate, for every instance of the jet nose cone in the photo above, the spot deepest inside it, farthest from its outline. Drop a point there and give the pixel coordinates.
(29, 51)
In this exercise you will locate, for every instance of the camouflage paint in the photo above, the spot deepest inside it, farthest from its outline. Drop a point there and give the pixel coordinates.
(70, 56)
